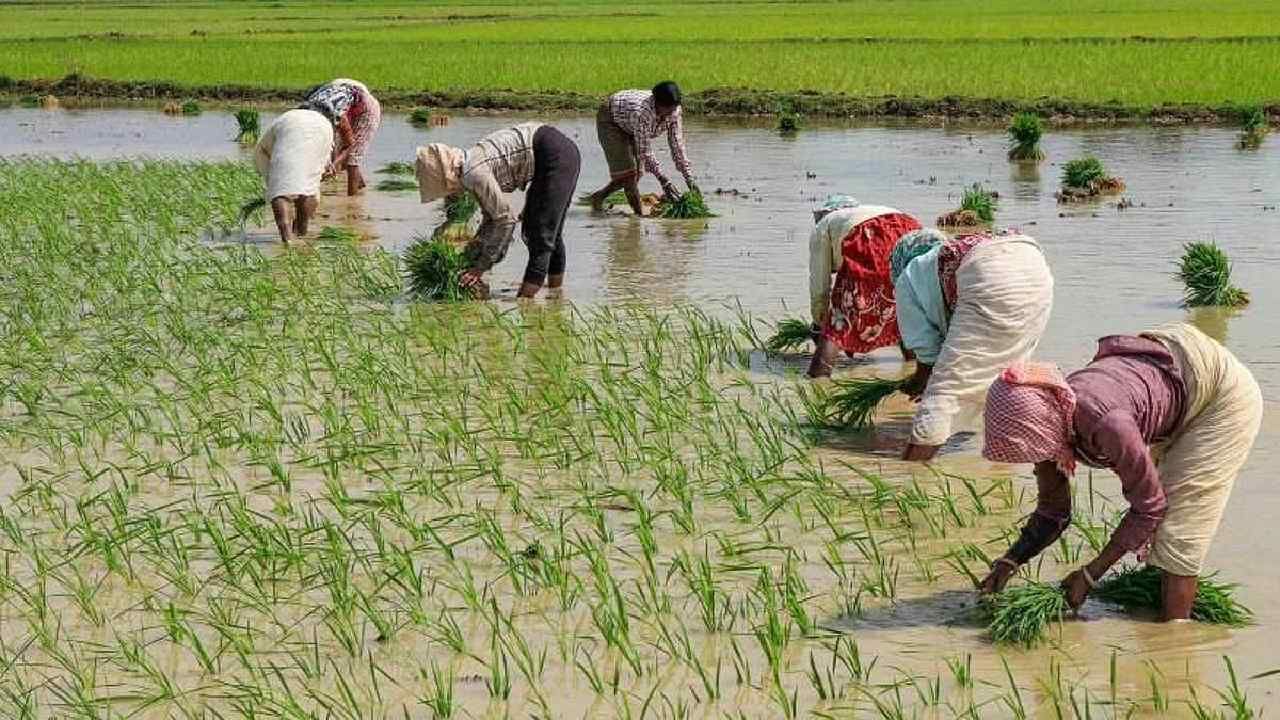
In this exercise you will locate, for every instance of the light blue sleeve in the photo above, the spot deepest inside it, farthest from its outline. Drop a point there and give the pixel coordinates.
(917, 314)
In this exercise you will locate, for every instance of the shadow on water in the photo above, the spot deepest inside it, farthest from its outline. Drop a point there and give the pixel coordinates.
(947, 608)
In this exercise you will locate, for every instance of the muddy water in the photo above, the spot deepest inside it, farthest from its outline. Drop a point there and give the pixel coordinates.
(1113, 270)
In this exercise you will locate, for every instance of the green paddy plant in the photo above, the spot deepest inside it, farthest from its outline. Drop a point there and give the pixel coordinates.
(1025, 131)
(1022, 615)
(191, 107)
(791, 333)
(1205, 272)
(250, 126)
(1085, 178)
(397, 167)
(433, 269)
(852, 403)
(1139, 588)
(1254, 127)
(979, 201)
(789, 121)
(420, 117)
(688, 206)
(396, 185)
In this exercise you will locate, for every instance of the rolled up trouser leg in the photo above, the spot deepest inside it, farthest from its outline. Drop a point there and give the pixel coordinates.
(556, 164)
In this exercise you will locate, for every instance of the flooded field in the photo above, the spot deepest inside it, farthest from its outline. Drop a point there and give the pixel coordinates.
(674, 604)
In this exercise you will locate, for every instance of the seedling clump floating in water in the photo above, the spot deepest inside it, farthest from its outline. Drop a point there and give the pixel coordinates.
(1254, 127)
(1085, 178)
(1025, 132)
(789, 121)
(1205, 272)
(250, 126)
(420, 116)
(977, 207)
(191, 107)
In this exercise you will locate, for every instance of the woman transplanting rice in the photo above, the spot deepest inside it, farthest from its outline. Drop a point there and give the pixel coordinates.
(537, 158)
(292, 155)
(1173, 387)
(851, 296)
(967, 308)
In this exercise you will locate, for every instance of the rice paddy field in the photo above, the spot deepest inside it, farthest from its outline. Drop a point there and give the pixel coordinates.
(1120, 53)
(240, 481)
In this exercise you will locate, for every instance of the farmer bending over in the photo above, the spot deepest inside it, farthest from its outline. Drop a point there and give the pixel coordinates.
(855, 314)
(291, 155)
(968, 308)
(533, 156)
(1171, 411)
(625, 124)
(356, 115)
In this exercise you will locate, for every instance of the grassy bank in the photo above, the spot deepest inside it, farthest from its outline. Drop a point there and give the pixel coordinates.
(1091, 57)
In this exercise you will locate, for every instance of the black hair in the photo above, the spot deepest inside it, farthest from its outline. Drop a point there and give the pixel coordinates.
(666, 94)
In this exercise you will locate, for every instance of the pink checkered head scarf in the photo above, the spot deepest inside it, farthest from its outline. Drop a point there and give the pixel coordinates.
(1029, 417)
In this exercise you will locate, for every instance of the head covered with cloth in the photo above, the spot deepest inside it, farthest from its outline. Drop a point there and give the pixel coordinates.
(1028, 417)
(439, 171)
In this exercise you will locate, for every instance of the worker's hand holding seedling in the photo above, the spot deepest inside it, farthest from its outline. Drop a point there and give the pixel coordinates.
(995, 581)
(915, 385)
(471, 278)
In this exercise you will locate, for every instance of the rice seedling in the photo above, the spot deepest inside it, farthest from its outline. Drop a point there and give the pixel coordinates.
(249, 124)
(334, 234)
(1139, 588)
(397, 167)
(791, 333)
(396, 185)
(1086, 178)
(29, 101)
(1205, 272)
(251, 208)
(1021, 615)
(1025, 131)
(688, 206)
(191, 107)
(852, 403)
(432, 268)
(617, 197)
(1254, 127)
(789, 121)
(980, 202)
(420, 116)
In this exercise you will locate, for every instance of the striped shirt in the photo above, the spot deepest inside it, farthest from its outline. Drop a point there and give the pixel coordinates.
(635, 112)
(500, 163)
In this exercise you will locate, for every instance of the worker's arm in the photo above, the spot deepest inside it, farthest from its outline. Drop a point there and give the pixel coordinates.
(1043, 527)
(679, 155)
(497, 228)
(644, 149)
(346, 138)
(1116, 436)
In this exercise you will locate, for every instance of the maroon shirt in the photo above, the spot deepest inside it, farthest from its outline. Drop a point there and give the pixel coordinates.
(1129, 397)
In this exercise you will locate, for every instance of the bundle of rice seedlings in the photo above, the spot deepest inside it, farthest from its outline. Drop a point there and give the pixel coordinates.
(1139, 588)
(397, 167)
(432, 268)
(250, 126)
(980, 202)
(191, 107)
(1025, 132)
(29, 101)
(686, 207)
(420, 116)
(791, 334)
(852, 403)
(1205, 273)
(1254, 126)
(789, 121)
(250, 208)
(1021, 615)
(397, 185)
(333, 234)
(458, 211)
(1082, 173)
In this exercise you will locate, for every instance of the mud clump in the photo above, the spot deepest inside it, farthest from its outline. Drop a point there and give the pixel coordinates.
(959, 218)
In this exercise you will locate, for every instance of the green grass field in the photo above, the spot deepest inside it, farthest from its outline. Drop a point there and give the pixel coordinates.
(1136, 53)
